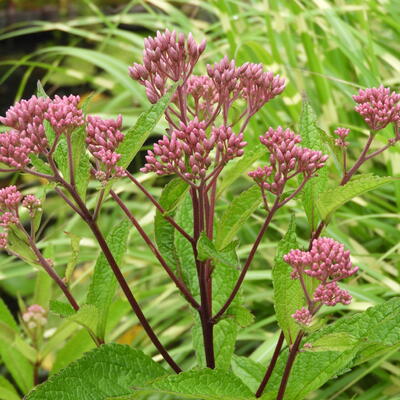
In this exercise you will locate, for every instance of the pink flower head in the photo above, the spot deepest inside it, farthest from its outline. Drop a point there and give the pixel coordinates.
(303, 316)
(26, 117)
(298, 260)
(225, 78)
(259, 87)
(330, 294)
(3, 240)
(15, 149)
(229, 144)
(329, 260)
(103, 138)
(8, 218)
(287, 159)
(342, 133)
(63, 113)
(32, 203)
(9, 198)
(35, 316)
(378, 106)
(203, 91)
(167, 56)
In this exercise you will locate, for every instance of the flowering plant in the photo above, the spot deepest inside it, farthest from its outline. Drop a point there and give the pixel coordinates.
(207, 115)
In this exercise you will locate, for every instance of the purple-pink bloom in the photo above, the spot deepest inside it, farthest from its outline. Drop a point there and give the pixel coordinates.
(228, 143)
(32, 203)
(204, 93)
(3, 240)
(330, 294)
(342, 133)
(103, 138)
(378, 106)
(259, 87)
(9, 198)
(168, 55)
(63, 113)
(15, 149)
(303, 316)
(8, 218)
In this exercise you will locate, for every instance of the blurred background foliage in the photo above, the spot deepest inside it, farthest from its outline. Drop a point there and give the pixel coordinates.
(326, 49)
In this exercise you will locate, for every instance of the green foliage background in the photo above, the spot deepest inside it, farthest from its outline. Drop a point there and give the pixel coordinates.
(326, 49)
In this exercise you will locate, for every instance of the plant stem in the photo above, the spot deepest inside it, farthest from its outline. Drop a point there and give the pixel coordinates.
(289, 364)
(181, 286)
(248, 262)
(159, 207)
(271, 365)
(118, 274)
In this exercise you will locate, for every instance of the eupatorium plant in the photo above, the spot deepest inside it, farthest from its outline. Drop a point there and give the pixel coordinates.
(207, 115)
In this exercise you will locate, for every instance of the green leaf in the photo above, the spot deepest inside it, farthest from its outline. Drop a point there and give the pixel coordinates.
(236, 215)
(62, 309)
(104, 283)
(137, 135)
(206, 384)
(108, 371)
(288, 294)
(7, 317)
(81, 161)
(242, 316)
(87, 316)
(19, 246)
(377, 325)
(340, 341)
(40, 165)
(43, 286)
(227, 256)
(237, 167)
(311, 138)
(7, 390)
(249, 371)
(75, 241)
(173, 193)
(331, 200)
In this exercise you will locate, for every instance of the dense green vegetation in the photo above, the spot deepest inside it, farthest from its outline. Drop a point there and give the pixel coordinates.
(326, 50)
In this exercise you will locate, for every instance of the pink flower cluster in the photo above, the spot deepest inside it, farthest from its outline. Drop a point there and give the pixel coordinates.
(35, 316)
(303, 316)
(328, 262)
(166, 56)
(63, 113)
(10, 199)
(378, 106)
(191, 142)
(26, 118)
(248, 81)
(287, 160)
(103, 139)
(341, 140)
(203, 92)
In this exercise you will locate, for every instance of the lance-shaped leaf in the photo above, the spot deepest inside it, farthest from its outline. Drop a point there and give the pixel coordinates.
(378, 325)
(249, 371)
(288, 294)
(236, 215)
(172, 195)
(311, 138)
(206, 384)
(227, 256)
(137, 135)
(108, 371)
(104, 283)
(331, 200)
(75, 241)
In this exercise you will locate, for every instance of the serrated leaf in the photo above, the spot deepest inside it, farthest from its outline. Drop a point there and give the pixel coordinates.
(288, 294)
(7, 390)
(104, 283)
(117, 369)
(40, 165)
(236, 215)
(62, 309)
(331, 200)
(75, 241)
(7, 317)
(43, 286)
(311, 138)
(377, 325)
(340, 341)
(87, 316)
(242, 316)
(137, 135)
(227, 256)
(173, 193)
(249, 371)
(206, 384)
(19, 246)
